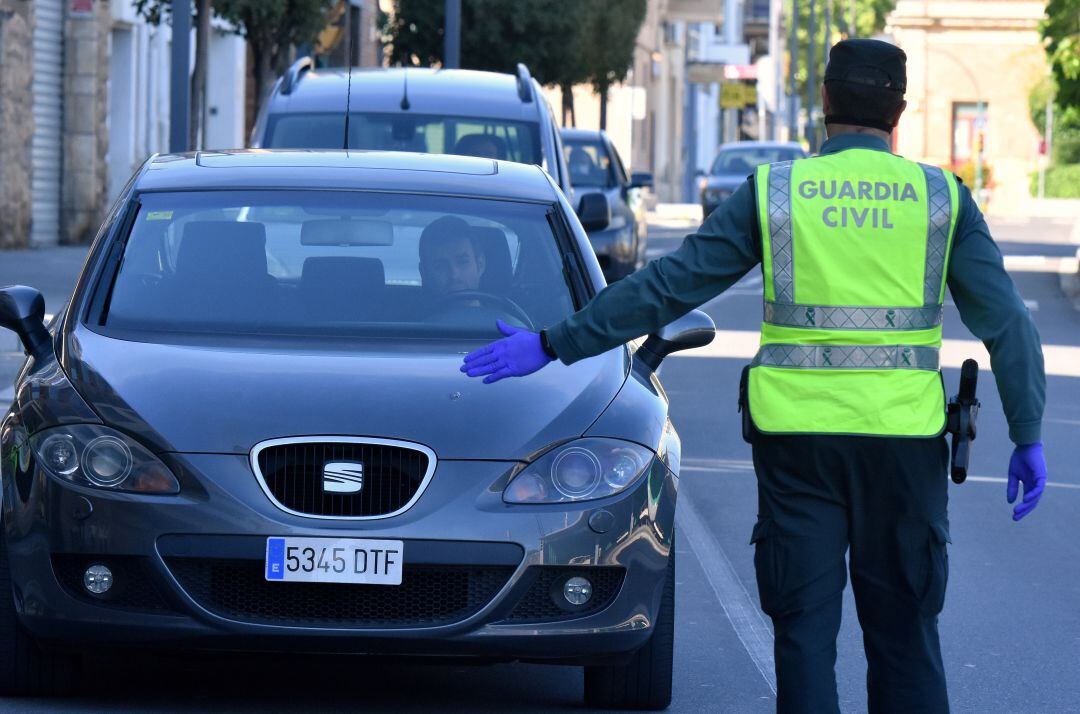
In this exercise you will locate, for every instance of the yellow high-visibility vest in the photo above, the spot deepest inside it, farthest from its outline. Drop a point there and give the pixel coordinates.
(855, 250)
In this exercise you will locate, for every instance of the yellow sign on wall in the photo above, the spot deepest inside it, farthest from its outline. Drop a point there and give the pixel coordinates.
(736, 95)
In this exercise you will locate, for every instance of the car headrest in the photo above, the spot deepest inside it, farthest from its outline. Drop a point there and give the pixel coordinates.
(498, 268)
(342, 288)
(366, 272)
(223, 249)
(480, 145)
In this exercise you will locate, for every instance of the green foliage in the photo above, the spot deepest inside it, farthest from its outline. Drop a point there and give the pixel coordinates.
(869, 20)
(1061, 32)
(1065, 141)
(562, 43)
(1061, 181)
(607, 36)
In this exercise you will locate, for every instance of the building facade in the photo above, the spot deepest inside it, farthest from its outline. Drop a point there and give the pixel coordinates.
(84, 100)
(971, 66)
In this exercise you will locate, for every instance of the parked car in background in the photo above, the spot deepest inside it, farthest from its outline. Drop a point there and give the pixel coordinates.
(596, 169)
(485, 114)
(248, 431)
(737, 160)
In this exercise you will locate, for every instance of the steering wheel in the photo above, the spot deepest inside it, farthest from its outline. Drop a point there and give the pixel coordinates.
(504, 303)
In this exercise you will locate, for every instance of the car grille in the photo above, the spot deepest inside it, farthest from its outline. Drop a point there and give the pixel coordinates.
(544, 602)
(391, 477)
(428, 595)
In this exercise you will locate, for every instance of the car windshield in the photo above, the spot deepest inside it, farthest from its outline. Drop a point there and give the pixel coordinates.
(337, 264)
(428, 134)
(744, 160)
(589, 163)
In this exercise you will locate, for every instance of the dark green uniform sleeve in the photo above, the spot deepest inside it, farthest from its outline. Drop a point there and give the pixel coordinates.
(709, 261)
(993, 310)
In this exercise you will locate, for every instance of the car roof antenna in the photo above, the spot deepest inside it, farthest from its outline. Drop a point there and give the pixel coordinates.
(348, 61)
(405, 90)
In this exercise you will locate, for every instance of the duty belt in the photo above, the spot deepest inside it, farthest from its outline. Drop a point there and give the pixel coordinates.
(847, 356)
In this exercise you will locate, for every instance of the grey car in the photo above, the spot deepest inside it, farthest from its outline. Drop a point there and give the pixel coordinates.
(619, 239)
(248, 430)
(737, 160)
(455, 111)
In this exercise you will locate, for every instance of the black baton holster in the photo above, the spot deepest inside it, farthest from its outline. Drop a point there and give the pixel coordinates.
(744, 405)
(962, 412)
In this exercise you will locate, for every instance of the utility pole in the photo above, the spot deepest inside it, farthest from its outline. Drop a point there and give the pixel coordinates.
(452, 39)
(733, 35)
(1048, 146)
(776, 9)
(811, 78)
(179, 82)
(853, 29)
(793, 61)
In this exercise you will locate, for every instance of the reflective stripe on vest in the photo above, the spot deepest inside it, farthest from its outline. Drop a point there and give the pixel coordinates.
(855, 254)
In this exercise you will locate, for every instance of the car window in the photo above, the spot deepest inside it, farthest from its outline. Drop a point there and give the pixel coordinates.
(337, 264)
(423, 133)
(589, 163)
(743, 160)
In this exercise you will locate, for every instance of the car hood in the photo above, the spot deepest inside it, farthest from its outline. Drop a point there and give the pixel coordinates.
(728, 181)
(188, 398)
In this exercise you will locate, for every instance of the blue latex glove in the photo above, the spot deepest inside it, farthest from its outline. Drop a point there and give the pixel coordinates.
(1027, 466)
(517, 354)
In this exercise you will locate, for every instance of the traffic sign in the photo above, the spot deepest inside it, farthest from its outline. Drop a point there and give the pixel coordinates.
(736, 95)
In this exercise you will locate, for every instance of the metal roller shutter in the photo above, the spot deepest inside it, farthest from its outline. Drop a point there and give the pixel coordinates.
(48, 114)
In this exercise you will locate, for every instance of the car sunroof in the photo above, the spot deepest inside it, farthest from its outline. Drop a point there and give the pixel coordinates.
(264, 158)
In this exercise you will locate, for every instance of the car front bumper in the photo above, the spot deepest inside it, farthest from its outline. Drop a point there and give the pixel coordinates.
(188, 567)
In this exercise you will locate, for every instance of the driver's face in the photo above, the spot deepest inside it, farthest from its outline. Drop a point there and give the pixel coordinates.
(451, 265)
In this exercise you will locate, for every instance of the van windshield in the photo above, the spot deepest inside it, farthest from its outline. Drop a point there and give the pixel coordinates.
(337, 263)
(423, 133)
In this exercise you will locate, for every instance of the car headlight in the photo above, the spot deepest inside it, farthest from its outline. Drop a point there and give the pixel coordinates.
(579, 470)
(97, 456)
(715, 195)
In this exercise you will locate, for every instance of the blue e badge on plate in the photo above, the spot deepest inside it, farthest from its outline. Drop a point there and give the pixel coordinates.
(275, 558)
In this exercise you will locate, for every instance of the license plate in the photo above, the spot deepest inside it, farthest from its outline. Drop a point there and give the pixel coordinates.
(334, 560)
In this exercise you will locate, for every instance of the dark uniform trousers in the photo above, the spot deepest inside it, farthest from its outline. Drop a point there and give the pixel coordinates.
(886, 500)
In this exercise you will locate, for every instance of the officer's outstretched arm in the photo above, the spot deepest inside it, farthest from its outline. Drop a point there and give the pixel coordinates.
(993, 310)
(707, 263)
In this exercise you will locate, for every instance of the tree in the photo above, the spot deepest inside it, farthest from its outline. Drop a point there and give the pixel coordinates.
(609, 33)
(1061, 33)
(272, 28)
(562, 43)
(869, 19)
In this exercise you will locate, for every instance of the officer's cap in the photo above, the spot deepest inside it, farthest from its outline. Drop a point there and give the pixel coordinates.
(870, 62)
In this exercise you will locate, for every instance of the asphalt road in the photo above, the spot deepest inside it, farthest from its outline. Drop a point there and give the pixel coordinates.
(1010, 629)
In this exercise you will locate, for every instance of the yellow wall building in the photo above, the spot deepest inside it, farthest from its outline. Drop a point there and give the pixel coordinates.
(961, 52)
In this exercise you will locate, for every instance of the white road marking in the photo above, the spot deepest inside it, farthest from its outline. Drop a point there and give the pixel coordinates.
(1061, 360)
(1041, 264)
(1070, 422)
(745, 617)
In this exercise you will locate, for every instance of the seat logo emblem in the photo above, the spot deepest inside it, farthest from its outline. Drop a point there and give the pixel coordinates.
(343, 477)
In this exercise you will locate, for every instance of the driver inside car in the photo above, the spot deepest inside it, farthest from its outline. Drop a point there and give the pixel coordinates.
(450, 260)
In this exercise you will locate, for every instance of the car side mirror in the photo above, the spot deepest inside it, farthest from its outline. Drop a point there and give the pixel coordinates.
(694, 329)
(594, 212)
(22, 310)
(641, 179)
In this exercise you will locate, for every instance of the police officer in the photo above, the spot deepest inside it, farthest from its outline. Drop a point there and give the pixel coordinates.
(856, 246)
